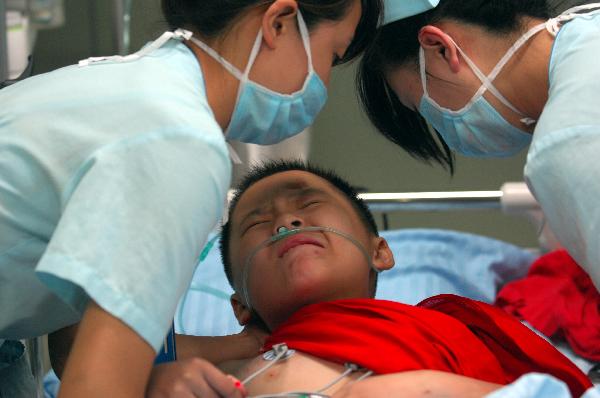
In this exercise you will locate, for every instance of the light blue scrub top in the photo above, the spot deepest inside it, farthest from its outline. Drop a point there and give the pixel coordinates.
(112, 175)
(563, 164)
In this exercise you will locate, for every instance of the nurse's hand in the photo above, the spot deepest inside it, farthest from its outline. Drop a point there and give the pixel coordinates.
(192, 377)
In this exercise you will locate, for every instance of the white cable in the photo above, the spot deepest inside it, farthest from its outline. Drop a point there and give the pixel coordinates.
(350, 369)
(282, 348)
(295, 394)
(369, 373)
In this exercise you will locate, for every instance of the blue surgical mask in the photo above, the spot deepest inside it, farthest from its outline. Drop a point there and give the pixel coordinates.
(478, 129)
(262, 116)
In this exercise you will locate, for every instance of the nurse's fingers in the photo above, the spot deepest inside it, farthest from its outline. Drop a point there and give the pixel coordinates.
(193, 377)
(226, 386)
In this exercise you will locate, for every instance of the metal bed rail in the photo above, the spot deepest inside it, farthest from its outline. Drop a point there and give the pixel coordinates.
(433, 201)
(512, 198)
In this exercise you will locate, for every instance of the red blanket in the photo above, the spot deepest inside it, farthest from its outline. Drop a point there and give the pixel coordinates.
(446, 333)
(559, 299)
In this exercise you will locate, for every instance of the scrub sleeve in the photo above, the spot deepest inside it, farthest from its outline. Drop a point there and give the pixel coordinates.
(139, 214)
(112, 175)
(563, 170)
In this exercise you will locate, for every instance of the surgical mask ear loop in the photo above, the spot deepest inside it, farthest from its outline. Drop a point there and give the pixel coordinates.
(284, 234)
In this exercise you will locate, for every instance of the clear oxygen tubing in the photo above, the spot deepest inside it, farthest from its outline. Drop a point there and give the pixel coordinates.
(284, 233)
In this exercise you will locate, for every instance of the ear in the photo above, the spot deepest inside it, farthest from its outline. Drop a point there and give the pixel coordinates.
(434, 40)
(279, 18)
(242, 313)
(383, 258)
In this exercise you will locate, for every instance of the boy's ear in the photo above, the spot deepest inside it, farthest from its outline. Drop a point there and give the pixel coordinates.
(242, 313)
(383, 258)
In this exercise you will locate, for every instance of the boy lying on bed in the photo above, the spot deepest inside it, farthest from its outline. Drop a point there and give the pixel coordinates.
(314, 291)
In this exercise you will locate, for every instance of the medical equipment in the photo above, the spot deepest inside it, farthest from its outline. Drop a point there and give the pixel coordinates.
(284, 233)
(19, 22)
(281, 352)
(281, 230)
(513, 198)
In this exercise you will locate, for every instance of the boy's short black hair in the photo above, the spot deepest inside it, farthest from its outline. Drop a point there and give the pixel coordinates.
(270, 168)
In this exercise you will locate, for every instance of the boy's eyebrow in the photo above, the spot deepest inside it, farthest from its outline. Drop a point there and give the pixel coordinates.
(294, 191)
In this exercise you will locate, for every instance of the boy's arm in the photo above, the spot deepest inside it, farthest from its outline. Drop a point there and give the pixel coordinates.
(219, 349)
(417, 384)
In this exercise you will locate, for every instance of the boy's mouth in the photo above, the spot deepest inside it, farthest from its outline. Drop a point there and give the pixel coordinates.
(295, 241)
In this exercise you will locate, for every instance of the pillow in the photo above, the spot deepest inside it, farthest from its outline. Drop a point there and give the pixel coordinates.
(428, 262)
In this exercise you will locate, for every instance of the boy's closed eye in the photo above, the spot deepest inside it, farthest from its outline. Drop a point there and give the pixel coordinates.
(254, 224)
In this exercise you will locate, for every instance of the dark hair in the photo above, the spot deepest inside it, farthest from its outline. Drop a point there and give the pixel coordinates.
(274, 167)
(210, 18)
(396, 44)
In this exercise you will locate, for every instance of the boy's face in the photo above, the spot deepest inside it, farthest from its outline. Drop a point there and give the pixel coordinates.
(304, 268)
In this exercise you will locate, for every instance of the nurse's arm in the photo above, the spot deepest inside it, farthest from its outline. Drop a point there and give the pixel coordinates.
(108, 359)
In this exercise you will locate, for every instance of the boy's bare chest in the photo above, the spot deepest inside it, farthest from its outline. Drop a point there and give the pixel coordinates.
(300, 372)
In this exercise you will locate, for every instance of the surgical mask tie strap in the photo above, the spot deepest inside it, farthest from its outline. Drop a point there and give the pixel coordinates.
(422, 65)
(306, 41)
(213, 54)
(488, 80)
(243, 76)
(553, 25)
(179, 34)
(253, 54)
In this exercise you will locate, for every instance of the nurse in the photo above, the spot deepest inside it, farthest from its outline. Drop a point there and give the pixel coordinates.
(491, 78)
(114, 171)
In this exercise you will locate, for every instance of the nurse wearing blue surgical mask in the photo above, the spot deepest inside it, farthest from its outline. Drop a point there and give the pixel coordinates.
(114, 171)
(492, 78)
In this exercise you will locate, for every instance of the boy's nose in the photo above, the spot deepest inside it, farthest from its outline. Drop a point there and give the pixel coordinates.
(286, 224)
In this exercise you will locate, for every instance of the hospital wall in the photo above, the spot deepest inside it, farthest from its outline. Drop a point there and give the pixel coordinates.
(342, 137)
